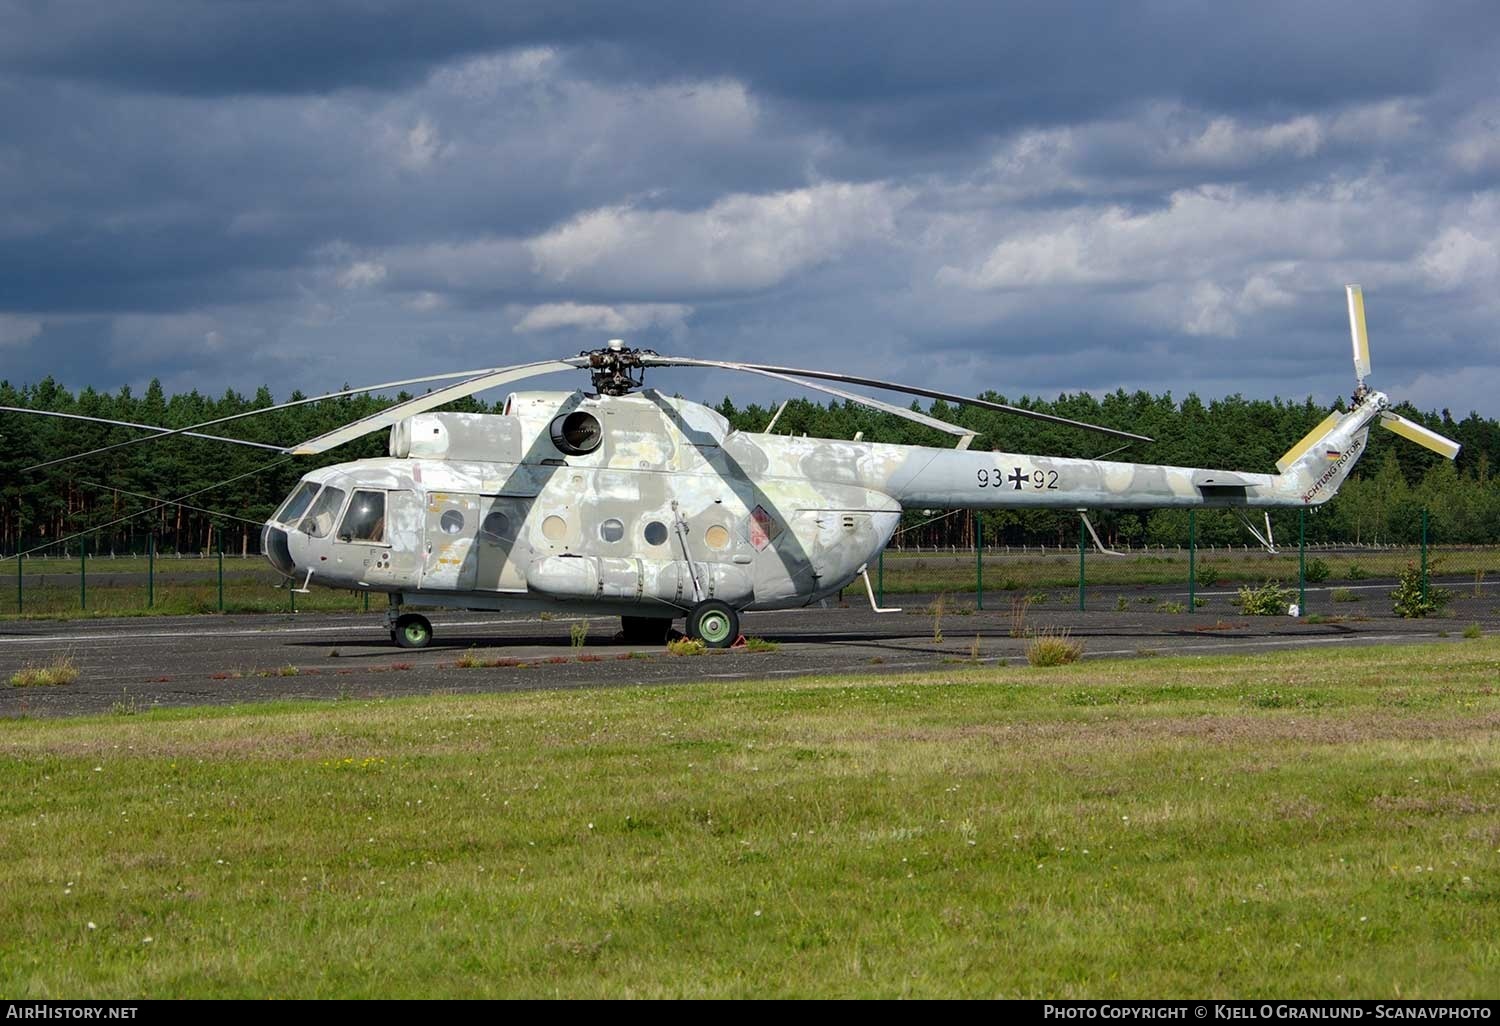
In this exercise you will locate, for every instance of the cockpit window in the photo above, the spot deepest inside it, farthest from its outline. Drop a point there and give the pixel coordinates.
(296, 504)
(319, 521)
(365, 521)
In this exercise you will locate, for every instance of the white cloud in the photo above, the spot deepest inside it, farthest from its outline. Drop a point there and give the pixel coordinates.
(740, 243)
(1228, 143)
(1218, 230)
(17, 331)
(1371, 124)
(361, 274)
(422, 144)
(1475, 145)
(426, 302)
(413, 145)
(594, 317)
(1209, 311)
(1457, 258)
(484, 78)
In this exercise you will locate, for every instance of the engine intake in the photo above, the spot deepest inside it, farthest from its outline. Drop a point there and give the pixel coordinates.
(577, 433)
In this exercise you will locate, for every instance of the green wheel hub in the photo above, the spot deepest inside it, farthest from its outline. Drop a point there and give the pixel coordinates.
(714, 623)
(411, 631)
(715, 626)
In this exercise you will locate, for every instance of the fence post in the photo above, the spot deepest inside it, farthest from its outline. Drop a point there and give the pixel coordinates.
(83, 573)
(979, 557)
(220, 535)
(20, 585)
(150, 571)
(1424, 555)
(1302, 561)
(1080, 561)
(1192, 560)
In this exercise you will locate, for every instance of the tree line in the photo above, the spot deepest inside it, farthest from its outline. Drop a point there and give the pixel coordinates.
(235, 488)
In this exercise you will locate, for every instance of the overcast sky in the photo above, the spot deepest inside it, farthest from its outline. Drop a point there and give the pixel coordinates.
(1029, 197)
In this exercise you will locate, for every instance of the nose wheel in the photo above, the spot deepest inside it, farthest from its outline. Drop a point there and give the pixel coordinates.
(714, 623)
(411, 631)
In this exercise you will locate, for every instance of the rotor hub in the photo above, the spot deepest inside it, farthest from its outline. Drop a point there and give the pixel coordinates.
(617, 369)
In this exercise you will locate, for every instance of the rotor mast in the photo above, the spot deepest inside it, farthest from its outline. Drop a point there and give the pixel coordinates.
(616, 369)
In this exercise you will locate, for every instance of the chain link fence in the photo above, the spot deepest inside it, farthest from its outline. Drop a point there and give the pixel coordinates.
(1325, 580)
(74, 577)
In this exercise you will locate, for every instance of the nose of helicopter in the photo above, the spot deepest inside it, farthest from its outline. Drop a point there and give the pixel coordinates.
(278, 551)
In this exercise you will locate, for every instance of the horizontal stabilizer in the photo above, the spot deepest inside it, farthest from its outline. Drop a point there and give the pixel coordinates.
(1415, 432)
(1310, 439)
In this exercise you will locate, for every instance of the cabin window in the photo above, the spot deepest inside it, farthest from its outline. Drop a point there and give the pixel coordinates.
(612, 530)
(496, 527)
(319, 521)
(296, 504)
(656, 533)
(452, 521)
(365, 521)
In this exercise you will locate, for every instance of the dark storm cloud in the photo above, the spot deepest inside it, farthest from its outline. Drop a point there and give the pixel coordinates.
(190, 47)
(1032, 63)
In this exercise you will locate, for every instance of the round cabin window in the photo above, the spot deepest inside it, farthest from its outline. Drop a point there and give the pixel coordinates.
(452, 521)
(496, 526)
(656, 533)
(554, 528)
(716, 536)
(611, 530)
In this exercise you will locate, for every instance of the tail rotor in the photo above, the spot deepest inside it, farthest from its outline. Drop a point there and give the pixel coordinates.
(1394, 422)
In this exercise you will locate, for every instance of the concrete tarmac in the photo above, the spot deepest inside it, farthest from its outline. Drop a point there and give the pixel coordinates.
(132, 664)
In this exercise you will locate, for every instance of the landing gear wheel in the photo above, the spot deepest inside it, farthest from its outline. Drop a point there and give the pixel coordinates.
(411, 631)
(714, 623)
(644, 630)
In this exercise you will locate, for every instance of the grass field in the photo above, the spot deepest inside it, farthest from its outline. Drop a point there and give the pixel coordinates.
(1320, 823)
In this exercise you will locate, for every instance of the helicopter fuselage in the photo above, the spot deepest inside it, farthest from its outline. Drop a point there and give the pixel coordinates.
(646, 505)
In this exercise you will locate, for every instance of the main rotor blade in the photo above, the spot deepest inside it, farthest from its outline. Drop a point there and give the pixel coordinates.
(1357, 333)
(392, 414)
(985, 404)
(1415, 432)
(253, 413)
(864, 400)
(143, 427)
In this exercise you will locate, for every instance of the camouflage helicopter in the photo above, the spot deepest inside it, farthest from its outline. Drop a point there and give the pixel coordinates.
(624, 501)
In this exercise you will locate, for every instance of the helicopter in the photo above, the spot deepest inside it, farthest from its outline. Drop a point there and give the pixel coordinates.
(624, 501)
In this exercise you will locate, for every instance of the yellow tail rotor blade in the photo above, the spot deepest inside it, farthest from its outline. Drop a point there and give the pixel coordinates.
(1357, 332)
(1417, 433)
